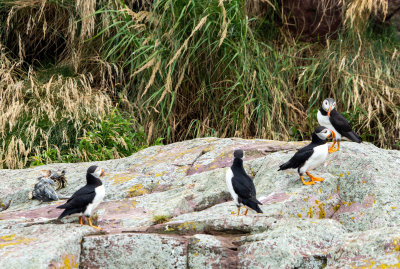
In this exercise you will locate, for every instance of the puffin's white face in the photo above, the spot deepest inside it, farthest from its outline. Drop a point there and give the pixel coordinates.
(325, 134)
(99, 172)
(328, 105)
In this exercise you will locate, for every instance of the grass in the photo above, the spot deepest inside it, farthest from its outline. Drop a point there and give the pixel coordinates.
(93, 80)
(159, 219)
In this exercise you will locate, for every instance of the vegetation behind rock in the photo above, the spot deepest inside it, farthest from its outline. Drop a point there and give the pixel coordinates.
(94, 80)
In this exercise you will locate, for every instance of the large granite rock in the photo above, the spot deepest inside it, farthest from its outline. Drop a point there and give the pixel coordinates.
(168, 206)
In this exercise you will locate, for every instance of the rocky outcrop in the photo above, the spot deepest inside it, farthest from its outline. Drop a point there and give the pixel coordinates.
(168, 206)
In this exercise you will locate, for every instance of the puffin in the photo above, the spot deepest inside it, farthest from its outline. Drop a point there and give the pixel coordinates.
(311, 156)
(241, 186)
(328, 116)
(87, 198)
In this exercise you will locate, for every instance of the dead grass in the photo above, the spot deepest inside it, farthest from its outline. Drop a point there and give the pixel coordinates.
(34, 115)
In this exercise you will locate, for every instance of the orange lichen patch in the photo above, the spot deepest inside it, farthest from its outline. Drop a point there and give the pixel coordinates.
(12, 240)
(121, 178)
(68, 262)
(137, 190)
(134, 203)
(368, 263)
(187, 226)
(321, 213)
(160, 174)
(310, 213)
(299, 215)
(336, 207)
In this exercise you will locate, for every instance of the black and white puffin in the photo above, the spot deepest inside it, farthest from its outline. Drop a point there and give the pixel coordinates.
(87, 198)
(241, 186)
(328, 116)
(311, 156)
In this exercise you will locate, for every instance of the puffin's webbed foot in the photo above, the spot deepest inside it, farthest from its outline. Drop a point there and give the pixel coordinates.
(314, 178)
(245, 212)
(307, 183)
(91, 225)
(331, 148)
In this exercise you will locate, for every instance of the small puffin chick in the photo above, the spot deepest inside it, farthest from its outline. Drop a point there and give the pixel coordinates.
(311, 156)
(44, 189)
(87, 198)
(328, 116)
(241, 186)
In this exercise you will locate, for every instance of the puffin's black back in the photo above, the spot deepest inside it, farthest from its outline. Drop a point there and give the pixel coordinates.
(302, 155)
(242, 184)
(343, 126)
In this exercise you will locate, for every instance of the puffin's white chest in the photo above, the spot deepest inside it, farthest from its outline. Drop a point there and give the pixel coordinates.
(324, 121)
(228, 179)
(100, 193)
(316, 159)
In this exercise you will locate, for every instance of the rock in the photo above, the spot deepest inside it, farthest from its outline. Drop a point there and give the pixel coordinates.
(168, 206)
(41, 246)
(207, 251)
(291, 244)
(378, 248)
(133, 251)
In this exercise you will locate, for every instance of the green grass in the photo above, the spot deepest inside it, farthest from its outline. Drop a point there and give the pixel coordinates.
(158, 219)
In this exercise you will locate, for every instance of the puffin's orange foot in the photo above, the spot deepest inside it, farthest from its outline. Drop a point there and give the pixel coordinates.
(314, 178)
(318, 179)
(307, 183)
(81, 220)
(332, 150)
(245, 212)
(238, 211)
(91, 225)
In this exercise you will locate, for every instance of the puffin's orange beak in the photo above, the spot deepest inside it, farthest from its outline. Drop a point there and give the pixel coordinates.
(102, 173)
(333, 135)
(329, 112)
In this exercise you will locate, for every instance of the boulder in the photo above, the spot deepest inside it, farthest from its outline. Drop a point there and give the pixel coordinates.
(168, 206)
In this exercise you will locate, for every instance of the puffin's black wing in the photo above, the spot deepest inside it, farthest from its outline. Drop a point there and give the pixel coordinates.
(299, 158)
(78, 201)
(244, 187)
(343, 126)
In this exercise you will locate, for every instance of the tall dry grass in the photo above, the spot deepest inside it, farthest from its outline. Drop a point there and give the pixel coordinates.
(183, 69)
(37, 117)
(199, 69)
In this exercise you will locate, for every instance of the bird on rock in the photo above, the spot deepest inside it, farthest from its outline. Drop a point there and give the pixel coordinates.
(87, 198)
(328, 116)
(241, 186)
(311, 156)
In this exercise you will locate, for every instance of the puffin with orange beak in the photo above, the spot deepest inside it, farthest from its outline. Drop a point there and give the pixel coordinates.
(87, 198)
(328, 116)
(311, 156)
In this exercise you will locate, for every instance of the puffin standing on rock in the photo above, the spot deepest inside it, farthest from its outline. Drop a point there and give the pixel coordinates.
(87, 198)
(311, 156)
(328, 116)
(241, 186)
